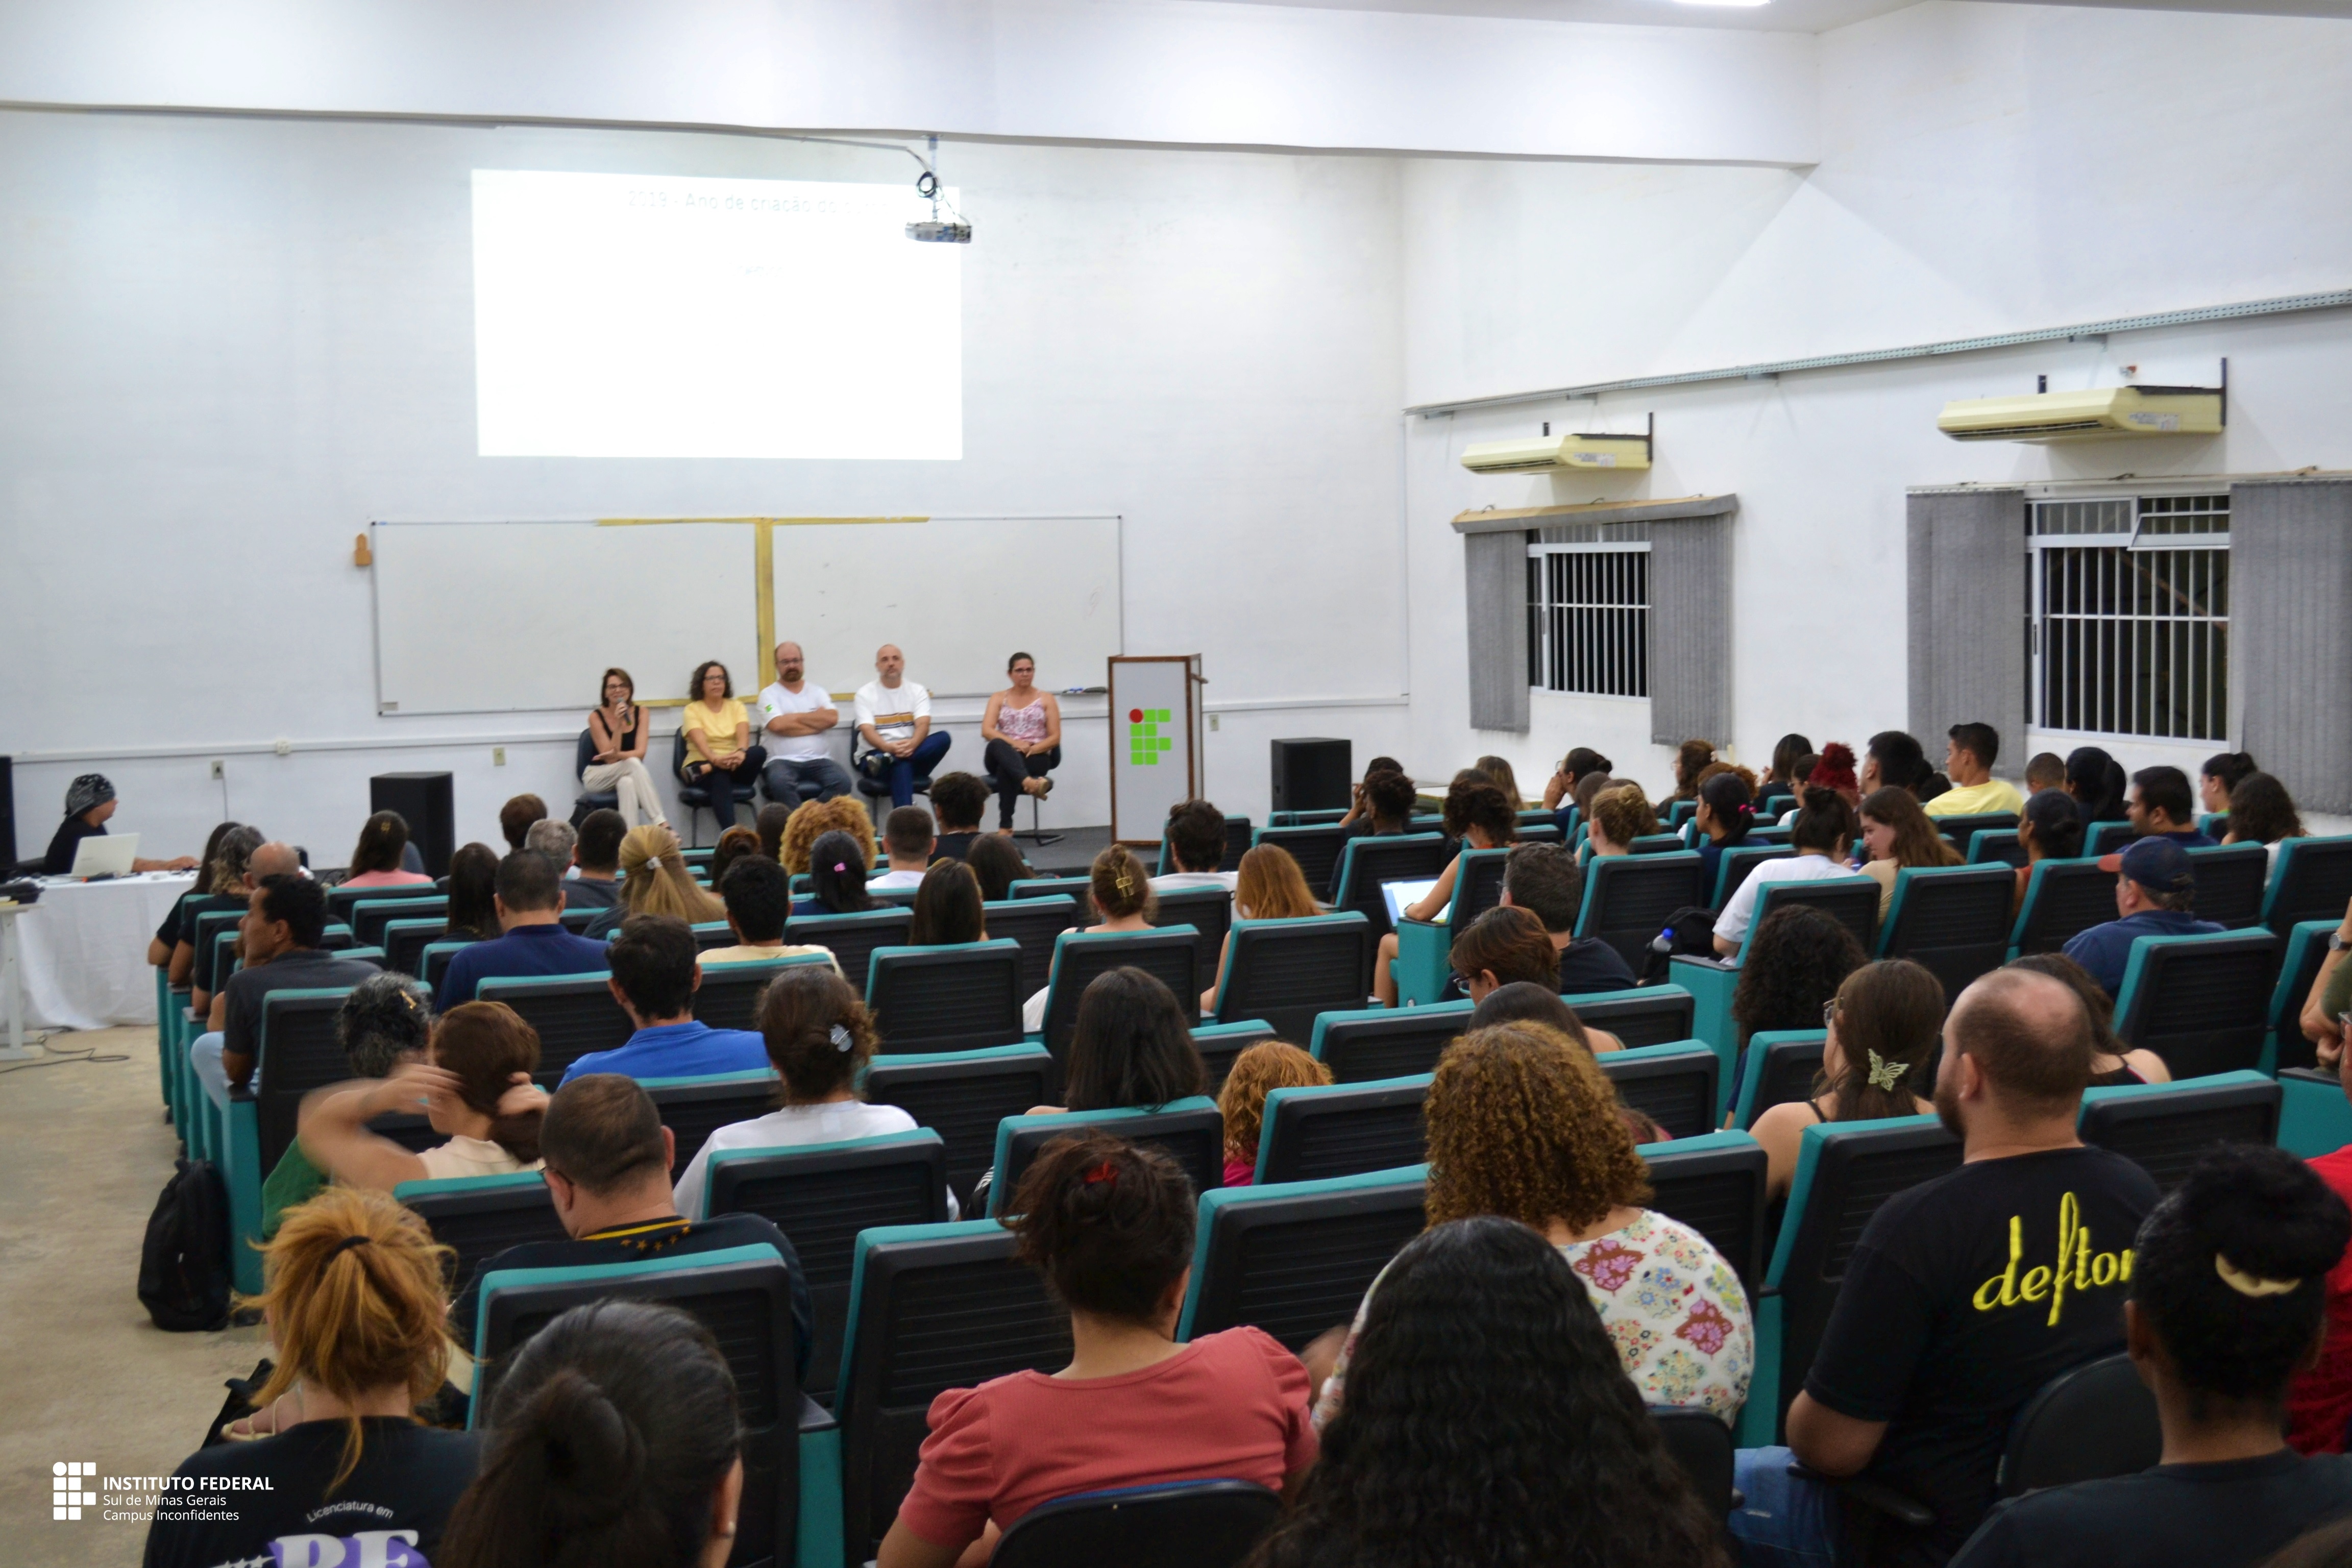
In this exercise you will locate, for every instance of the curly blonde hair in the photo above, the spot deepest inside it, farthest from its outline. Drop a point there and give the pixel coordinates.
(1523, 1125)
(1624, 814)
(815, 818)
(1268, 1065)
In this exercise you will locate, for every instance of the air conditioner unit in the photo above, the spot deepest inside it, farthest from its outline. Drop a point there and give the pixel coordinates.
(1555, 454)
(2100, 414)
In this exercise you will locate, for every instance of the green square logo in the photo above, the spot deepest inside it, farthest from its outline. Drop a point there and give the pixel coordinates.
(1144, 740)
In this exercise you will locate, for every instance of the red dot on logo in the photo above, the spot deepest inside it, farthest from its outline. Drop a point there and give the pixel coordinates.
(1135, 715)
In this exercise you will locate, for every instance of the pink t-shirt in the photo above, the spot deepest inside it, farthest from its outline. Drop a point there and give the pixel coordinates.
(1228, 1407)
(1240, 1173)
(384, 879)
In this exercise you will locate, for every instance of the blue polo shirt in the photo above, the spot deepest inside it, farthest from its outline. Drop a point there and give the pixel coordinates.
(2106, 950)
(522, 952)
(691, 1049)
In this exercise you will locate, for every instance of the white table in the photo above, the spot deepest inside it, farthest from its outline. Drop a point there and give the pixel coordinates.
(12, 982)
(82, 949)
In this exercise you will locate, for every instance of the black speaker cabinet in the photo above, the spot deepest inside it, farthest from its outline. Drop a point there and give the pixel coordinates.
(8, 816)
(425, 802)
(1312, 773)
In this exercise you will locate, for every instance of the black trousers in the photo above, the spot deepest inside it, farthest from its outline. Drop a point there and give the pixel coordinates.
(722, 797)
(1007, 768)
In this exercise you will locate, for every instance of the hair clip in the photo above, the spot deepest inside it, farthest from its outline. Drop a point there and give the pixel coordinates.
(2251, 1285)
(841, 1038)
(347, 1244)
(1884, 1074)
(1105, 1172)
(839, 868)
(1125, 884)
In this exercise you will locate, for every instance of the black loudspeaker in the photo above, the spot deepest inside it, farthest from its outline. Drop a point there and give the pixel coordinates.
(426, 801)
(1313, 773)
(8, 816)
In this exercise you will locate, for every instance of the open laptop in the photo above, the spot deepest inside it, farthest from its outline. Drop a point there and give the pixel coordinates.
(105, 855)
(1403, 896)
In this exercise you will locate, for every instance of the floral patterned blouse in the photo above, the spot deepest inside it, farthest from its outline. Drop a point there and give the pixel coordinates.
(1667, 1298)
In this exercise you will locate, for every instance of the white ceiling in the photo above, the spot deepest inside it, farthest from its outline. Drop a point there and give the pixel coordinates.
(1775, 16)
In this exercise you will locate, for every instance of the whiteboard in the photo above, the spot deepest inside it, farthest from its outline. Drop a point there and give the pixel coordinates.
(494, 617)
(959, 595)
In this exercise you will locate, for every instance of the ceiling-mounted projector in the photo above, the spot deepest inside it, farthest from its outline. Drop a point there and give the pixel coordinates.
(935, 231)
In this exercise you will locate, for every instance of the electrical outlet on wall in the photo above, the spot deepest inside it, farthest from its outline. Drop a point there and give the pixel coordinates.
(220, 769)
(1213, 720)
(498, 757)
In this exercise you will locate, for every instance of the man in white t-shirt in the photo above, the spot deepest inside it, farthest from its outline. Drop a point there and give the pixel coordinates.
(795, 712)
(893, 718)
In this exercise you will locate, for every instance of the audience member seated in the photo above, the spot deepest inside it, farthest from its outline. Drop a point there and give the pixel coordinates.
(385, 1022)
(1784, 774)
(2227, 1303)
(2045, 770)
(655, 881)
(1896, 759)
(1487, 1421)
(2319, 1407)
(893, 717)
(946, 908)
(1949, 1318)
(473, 1084)
(1832, 771)
(515, 818)
(795, 713)
(655, 975)
(1022, 730)
(1525, 1003)
(1267, 1066)
(719, 750)
(1897, 831)
(1383, 806)
(1618, 815)
(89, 801)
(2156, 889)
(1481, 817)
(166, 936)
(2049, 828)
(2217, 780)
(1969, 757)
(1824, 834)
(1545, 880)
(529, 901)
(1800, 957)
(906, 838)
(959, 798)
(2330, 995)
(836, 876)
(2113, 1064)
(596, 852)
(1122, 900)
(1110, 1226)
(819, 1037)
(2096, 781)
(473, 894)
(1268, 886)
(759, 898)
(843, 814)
(998, 864)
(1561, 791)
(614, 1438)
(1589, 787)
(285, 919)
(341, 1466)
(555, 839)
(1196, 843)
(228, 883)
(2261, 812)
(376, 860)
(607, 1171)
(1499, 773)
(733, 845)
(1692, 758)
(1884, 1026)
(1524, 1125)
(618, 734)
(770, 824)
(2162, 807)
(1358, 808)
(1505, 945)
(1724, 813)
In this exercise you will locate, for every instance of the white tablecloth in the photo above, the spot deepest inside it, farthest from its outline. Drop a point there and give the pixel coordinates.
(85, 950)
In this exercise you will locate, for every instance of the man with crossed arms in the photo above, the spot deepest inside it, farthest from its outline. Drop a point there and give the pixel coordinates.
(795, 712)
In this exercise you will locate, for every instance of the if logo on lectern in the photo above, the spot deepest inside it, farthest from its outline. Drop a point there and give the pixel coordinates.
(1144, 740)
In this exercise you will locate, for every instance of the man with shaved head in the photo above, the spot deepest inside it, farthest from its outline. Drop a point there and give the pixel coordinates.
(893, 717)
(794, 713)
(270, 860)
(1968, 1292)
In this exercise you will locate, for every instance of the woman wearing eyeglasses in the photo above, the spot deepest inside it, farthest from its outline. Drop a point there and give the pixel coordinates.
(1882, 1026)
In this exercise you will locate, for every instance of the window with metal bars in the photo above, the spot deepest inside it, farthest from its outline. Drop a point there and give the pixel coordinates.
(1588, 619)
(2128, 616)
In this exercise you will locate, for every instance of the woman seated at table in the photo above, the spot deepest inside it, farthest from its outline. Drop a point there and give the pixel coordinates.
(376, 860)
(1482, 817)
(1023, 727)
(719, 750)
(474, 1085)
(618, 732)
(89, 801)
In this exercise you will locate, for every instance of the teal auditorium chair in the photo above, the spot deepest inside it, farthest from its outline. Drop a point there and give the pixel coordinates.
(728, 996)
(1420, 967)
(2163, 1127)
(958, 996)
(368, 917)
(1295, 1258)
(433, 959)
(695, 1108)
(2231, 881)
(577, 921)
(575, 1014)
(1034, 924)
(931, 1307)
(1628, 898)
(2311, 881)
(1644, 1015)
(2201, 1003)
(1844, 1171)
(404, 942)
(1733, 866)
(1360, 1044)
(1852, 900)
(2107, 838)
(477, 1218)
(2307, 949)
(211, 967)
(1313, 1133)
(1176, 1524)
(1673, 1084)
(1961, 832)
(852, 938)
(1953, 920)
(962, 1095)
(710, 934)
(1304, 818)
(1189, 1131)
(1288, 970)
(1681, 814)
(1208, 910)
(1080, 958)
(1715, 1184)
(2062, 900)
(1315, 847)
(821, 1195)
(1988, 845)
(791, 1447)
(1777, 1066)
(2315, 1116)
(1368, 862)
(1219, 1044)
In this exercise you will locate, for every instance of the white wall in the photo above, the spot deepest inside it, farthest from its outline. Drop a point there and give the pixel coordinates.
(225, 345)
(1986, 168)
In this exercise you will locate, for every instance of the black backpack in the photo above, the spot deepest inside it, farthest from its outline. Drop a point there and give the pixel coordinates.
(1689, 932)
(184, 1263)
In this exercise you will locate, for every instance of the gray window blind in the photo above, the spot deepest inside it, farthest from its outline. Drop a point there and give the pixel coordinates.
(1966, 574)
(2291, 544)
(1690, 630)
(1497, 567)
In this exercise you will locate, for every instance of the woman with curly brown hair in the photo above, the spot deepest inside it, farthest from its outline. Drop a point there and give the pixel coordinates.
(1800, 958)
(1257, 1072)
(1524, 1125)
(815, 818)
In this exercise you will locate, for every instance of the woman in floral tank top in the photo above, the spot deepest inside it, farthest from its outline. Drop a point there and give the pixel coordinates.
(1524, 1125)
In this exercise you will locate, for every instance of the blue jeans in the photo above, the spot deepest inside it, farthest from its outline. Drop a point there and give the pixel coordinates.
(204, 1055)
(900, 773)
(784, 777)
(1784, 1523)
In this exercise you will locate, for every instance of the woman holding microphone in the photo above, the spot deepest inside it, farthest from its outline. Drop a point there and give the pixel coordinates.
(618, 731)
(1022, 728)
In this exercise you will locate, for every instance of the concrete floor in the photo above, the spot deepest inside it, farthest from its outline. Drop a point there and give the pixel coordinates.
(84, 1150)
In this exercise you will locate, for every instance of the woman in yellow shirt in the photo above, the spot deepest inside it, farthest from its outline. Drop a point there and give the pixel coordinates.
(718, 740)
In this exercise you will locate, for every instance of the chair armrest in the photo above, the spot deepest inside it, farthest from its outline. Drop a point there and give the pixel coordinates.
(1876, 1496)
